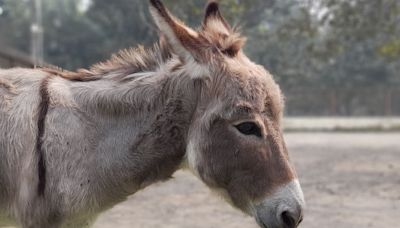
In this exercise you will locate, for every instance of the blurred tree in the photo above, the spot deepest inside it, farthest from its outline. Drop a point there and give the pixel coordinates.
(361, 40)
(123, 23)
(71, 38)
(15, 24)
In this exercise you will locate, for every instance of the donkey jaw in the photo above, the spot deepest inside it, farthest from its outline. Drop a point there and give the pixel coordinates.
(283, 209)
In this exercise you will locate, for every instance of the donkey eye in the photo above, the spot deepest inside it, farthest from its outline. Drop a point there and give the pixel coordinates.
(249, 128)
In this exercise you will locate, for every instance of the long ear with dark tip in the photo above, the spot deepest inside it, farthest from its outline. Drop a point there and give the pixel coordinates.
(184, 40)
(213, 18)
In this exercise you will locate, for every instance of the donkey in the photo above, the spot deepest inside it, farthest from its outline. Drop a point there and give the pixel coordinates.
(73, 144)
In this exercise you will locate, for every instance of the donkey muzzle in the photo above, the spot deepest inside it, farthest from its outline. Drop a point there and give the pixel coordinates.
(283, 209)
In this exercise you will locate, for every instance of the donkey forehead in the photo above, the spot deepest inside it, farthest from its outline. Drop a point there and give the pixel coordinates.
(250, 86)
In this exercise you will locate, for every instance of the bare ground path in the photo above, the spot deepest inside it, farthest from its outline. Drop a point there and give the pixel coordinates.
(349, 180)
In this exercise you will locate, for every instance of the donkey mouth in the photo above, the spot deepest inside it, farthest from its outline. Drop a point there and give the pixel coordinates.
(261, 223)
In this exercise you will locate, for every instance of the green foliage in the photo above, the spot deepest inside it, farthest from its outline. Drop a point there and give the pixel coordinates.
(391, 49)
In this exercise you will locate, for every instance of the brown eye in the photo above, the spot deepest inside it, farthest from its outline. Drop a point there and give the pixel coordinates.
(249, 128)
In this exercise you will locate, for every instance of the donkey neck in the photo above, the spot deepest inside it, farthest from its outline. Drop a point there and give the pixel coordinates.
(141, 123)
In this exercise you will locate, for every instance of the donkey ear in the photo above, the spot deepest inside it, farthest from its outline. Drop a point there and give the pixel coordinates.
(213, 19)
(184, 41)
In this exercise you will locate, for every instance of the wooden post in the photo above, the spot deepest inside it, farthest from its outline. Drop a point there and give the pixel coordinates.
(333, 102)
(388, 102)
(11, 63)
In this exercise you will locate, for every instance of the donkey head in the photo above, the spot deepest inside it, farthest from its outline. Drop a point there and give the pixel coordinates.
(235, 143)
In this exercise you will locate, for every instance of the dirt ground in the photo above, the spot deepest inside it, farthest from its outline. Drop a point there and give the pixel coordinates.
(349, 180)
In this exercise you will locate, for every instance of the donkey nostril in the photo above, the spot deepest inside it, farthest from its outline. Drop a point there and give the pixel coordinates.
(288, 220)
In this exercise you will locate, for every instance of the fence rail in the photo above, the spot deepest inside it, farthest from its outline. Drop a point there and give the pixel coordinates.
(318, 123)
(361, 101)
(12, 58)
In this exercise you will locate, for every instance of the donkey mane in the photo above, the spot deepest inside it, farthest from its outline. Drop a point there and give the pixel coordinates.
(124, 62)
(133, 60)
